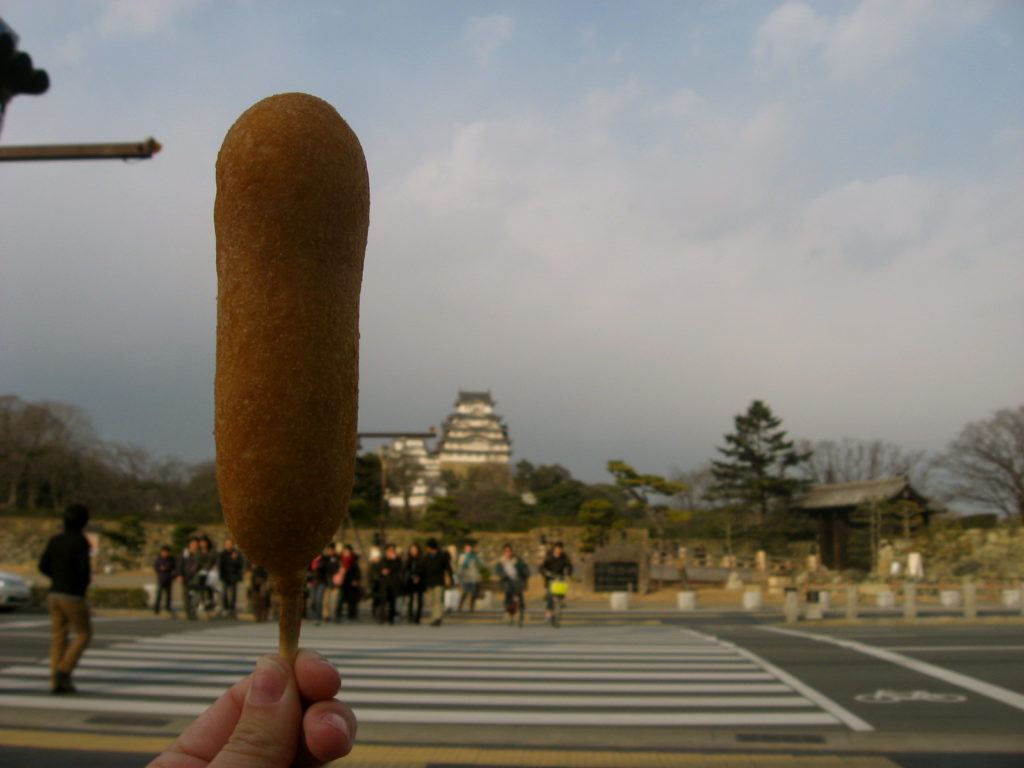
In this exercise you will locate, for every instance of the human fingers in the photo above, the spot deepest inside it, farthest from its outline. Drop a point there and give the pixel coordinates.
(329, 732)
(317, 678)
(205, 737)
(267, 733)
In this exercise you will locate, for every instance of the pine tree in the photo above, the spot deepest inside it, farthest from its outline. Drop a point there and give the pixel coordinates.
(752, 475)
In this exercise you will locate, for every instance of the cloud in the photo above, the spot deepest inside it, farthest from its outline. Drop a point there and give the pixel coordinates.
(486, 34)
(130, 18)
(870, 39)
(788, 34)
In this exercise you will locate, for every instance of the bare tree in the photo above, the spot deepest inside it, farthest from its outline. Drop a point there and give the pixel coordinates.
(986, 463)
(850, 461)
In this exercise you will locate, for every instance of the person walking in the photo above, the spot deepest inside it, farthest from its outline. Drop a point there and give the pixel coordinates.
(259, 581)
(324, 568)
(188, 573)
(389, 582)
(351, 585)
(66, 562)
(206, 578)
(469, 576)
(513, 574)
(166, 568)
(231, 568)
(437, 574)
(414, 583)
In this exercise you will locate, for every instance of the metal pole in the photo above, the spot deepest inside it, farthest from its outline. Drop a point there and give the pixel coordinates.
(141, 150)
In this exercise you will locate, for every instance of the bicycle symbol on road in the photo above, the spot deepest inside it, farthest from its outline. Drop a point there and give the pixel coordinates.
(889, 696)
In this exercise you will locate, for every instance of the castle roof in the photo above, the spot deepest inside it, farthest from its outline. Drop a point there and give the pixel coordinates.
(467, 398)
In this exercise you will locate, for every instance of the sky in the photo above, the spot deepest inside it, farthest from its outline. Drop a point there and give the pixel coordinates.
(627, 221)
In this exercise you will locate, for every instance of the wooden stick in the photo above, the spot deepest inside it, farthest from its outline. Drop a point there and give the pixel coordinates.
(293, 605)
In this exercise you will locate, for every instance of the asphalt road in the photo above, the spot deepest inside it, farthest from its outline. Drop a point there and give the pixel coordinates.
(926, 694)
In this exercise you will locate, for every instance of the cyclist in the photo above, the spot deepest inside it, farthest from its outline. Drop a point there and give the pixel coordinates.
(556, 569)
(514, 574)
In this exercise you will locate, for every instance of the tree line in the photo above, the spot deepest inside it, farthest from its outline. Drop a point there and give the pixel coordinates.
(50, 455)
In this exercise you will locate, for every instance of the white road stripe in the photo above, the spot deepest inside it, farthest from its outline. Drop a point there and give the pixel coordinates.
(371, 683)
(735, 663)
(840, 712)
(465, 644)
(1000, 694)
(705, 654)
(466, 717)
(356, 698)
(349, 673)
(954, 648)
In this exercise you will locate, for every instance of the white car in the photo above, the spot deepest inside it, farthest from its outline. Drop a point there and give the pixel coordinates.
(14, 591)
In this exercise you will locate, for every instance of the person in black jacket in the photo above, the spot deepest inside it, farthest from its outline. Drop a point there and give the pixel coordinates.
(231, 569)
(389, 581)
(165, 569)
(414, 584)
(351, 585)
(437, 574)
(66, 562)
(556, 567)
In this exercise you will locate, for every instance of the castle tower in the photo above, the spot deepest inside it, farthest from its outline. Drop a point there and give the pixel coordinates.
(413, 475)
(474, 435)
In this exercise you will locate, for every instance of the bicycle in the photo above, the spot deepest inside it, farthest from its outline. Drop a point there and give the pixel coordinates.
(557, 590)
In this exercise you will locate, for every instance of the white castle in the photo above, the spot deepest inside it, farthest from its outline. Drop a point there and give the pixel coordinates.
(473, 436)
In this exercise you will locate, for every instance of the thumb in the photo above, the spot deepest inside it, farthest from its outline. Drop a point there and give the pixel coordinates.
(267, 734)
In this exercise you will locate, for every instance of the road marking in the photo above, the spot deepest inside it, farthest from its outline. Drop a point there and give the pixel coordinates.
(890, 696)
(840, 712)
(1003, 695)
(420, 756)
(953, 648)
(210, 693)
(685, 654)
(685, 681)
(717, 662)
(92, 661)
(467, 716)
(371, 683)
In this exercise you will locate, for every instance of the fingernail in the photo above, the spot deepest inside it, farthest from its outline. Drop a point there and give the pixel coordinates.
(268, 682)
(337, 722)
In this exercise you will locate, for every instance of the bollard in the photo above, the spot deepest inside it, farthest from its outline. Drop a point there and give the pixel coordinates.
(752, 600)
(909, 601)
(970, 600)
(619, 601)
(686, 600)
(1012, 598)
(885, 599)
(791, 606)
(949, 598)
(851, 602)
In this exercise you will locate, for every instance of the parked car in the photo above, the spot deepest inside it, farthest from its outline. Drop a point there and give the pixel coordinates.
(14, 591)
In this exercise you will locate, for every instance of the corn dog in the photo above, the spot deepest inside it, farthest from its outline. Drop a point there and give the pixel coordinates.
(291, 218)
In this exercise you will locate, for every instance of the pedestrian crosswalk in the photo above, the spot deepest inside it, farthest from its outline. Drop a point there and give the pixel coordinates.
(459, 674)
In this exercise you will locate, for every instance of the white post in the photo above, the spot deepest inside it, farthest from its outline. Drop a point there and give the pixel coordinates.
(970, 600)
(791, 606)
(851, 602)
(909, 601)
